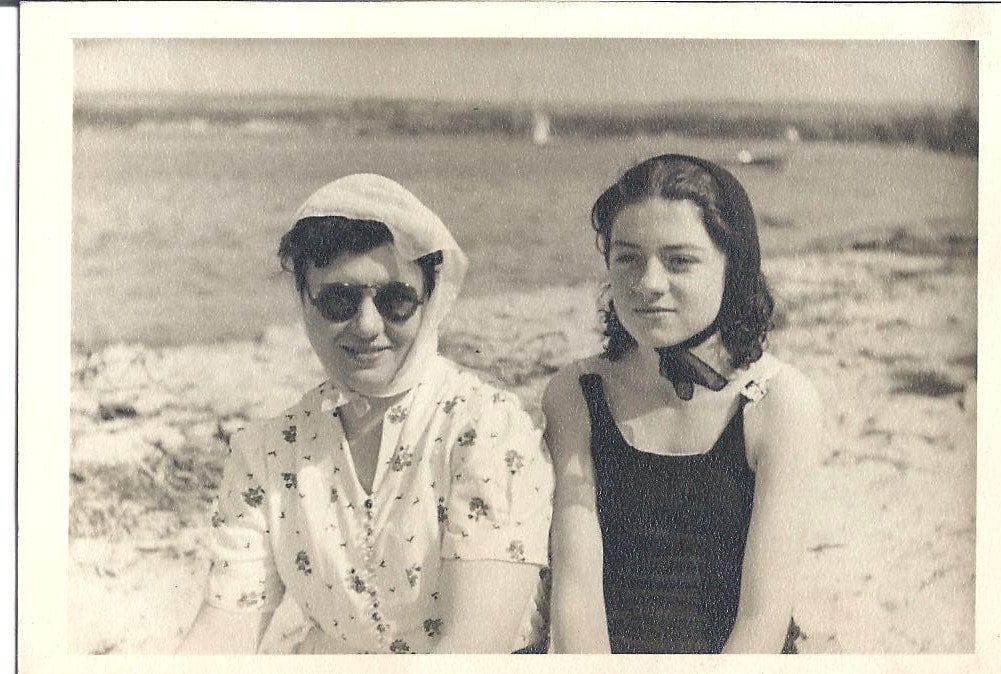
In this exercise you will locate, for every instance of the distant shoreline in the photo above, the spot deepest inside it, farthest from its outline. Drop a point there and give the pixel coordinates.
(939, 127)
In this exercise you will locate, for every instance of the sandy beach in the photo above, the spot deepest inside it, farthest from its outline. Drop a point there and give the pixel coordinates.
(888, 337)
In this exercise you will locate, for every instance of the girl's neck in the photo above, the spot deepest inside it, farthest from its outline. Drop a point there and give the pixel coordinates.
(642, 364)
(714, 354)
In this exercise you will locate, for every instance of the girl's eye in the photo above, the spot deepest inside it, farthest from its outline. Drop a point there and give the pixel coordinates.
(626, 258)
(681, 261)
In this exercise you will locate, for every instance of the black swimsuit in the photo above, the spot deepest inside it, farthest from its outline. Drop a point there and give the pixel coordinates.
(674, 530)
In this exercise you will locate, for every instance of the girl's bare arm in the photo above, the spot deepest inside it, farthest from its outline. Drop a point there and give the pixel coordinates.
(578, 604)
(782, 431)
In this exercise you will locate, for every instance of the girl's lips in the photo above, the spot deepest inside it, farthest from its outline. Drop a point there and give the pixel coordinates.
(653, 310)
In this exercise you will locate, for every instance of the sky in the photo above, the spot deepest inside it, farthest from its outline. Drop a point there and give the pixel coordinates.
(540, 71)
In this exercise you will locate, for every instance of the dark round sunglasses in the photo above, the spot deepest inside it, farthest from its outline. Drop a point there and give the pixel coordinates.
(338, 302)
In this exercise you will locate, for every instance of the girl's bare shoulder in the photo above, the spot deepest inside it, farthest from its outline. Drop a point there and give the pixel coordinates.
(567, 379)
(563, 401)
(786, 388)
(785, 414)
(568, 421)
(596, 364)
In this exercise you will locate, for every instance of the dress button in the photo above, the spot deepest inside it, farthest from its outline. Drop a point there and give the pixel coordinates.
(368, 503)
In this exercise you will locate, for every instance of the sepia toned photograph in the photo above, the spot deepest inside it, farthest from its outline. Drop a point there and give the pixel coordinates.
(530, 345)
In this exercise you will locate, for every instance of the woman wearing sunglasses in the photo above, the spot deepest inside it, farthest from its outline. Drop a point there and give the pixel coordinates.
(403, 504)
(682, 451)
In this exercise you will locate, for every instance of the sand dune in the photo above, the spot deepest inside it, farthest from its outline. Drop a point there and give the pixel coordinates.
(888, 338)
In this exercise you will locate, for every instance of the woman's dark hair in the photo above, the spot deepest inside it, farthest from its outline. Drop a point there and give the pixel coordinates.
(746, 309)
(319, 240)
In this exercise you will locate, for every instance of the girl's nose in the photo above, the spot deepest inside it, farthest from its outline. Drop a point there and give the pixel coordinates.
(654, 279)
(367, 322)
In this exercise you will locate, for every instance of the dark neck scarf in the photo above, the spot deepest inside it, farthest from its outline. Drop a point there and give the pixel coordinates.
(684, 369)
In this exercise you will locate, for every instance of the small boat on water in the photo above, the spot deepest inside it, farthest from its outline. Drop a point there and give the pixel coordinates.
(772, 161)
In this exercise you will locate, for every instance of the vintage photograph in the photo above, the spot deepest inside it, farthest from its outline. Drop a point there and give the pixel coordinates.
(523, 345)
(521, 328)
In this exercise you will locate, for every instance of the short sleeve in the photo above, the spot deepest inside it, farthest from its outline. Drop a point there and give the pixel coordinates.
(500, 501)
(243, 576)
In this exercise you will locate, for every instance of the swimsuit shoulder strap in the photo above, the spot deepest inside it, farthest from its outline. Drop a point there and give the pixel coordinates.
(594, 394)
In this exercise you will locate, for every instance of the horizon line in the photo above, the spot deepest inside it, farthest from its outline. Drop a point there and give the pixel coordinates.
(513, 103)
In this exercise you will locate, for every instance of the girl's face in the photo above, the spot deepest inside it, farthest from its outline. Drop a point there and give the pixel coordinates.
(666, 274)
(365, 350)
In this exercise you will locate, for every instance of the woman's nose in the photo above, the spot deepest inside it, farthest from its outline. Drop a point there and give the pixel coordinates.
(367, 322)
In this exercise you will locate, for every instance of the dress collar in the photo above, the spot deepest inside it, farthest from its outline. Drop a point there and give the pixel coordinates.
(333, 397)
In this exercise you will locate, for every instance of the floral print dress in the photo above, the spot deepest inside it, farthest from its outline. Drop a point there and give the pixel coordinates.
(462, 474)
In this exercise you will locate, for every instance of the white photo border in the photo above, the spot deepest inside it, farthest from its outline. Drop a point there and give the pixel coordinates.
(45, 214)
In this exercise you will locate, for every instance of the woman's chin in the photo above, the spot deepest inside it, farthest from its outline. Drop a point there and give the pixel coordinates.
(367, 382)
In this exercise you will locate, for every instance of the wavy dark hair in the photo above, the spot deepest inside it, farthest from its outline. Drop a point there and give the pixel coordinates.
(745, 312)
(319, 240)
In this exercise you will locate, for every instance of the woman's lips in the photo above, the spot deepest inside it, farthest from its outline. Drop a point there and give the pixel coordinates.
(366, 354)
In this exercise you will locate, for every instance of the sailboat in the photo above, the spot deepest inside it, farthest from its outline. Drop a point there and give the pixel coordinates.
(774, 160)
(541, 128)
(747, 158)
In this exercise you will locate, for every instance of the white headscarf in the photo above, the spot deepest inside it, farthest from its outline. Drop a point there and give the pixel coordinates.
(416, 231)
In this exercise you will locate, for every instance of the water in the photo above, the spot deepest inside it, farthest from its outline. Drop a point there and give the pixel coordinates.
(175, 227)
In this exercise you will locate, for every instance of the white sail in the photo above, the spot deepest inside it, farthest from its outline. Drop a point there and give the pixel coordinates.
(540, 128)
